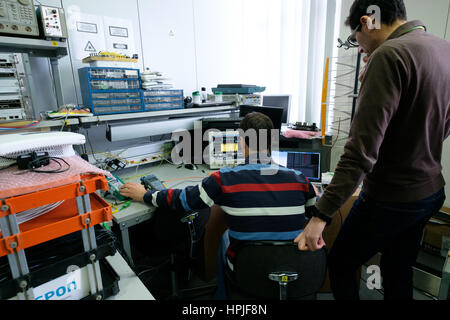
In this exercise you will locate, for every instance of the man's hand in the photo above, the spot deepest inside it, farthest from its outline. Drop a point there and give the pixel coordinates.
(135, 191)
(311, 238)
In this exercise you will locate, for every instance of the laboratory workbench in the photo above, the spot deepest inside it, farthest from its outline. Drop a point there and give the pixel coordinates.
(172, 176)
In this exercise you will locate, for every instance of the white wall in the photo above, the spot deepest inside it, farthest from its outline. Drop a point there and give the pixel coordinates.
(216, 42)
(168, 40)
(433, 13)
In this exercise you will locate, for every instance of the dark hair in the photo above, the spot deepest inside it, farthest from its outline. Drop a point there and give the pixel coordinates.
(391, 10)
(257, 121)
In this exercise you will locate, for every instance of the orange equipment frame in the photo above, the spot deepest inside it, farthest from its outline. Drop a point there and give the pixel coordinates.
(63, 220)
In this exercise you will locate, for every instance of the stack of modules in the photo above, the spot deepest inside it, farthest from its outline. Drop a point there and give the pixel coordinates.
(111, 90)
(154, 80)
(162, 99)
(118, 90)
(15, 103)
(241, 94)
(243, 89)
(243, 99)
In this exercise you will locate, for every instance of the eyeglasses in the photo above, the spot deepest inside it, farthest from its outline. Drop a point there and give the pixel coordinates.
(351, 40)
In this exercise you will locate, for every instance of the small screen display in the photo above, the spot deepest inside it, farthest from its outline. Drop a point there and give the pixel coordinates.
(225, 148)
(229, 147)
(307, 163)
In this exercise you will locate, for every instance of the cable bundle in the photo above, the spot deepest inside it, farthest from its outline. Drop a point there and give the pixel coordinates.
(154, 81)
(28, 215)
(32, 124)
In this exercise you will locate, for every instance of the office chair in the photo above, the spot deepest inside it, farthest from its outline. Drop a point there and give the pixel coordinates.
(188, 220)
(169, 251)
(272, 270)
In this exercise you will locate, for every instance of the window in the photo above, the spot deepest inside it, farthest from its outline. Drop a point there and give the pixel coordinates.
(281, 45)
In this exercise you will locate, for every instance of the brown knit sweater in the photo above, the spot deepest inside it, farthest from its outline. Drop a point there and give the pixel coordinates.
(401, 122)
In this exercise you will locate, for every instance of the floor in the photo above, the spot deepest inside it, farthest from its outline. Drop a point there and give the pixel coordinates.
(367, 294)
(197, 289)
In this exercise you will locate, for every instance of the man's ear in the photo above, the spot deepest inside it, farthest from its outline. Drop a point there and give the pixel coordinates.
(368, 23)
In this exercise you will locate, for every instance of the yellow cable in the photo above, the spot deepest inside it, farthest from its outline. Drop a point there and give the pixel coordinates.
(116, 209)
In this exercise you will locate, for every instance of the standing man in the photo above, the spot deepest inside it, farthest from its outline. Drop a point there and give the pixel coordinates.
(394, 148)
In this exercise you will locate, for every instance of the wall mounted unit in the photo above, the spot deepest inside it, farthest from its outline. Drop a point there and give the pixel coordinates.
(53, 23)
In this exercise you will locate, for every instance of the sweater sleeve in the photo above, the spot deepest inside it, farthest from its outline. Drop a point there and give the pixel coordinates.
(190, 198)
(311, 198)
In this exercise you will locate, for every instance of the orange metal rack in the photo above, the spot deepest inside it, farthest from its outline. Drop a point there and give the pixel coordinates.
(81, 210)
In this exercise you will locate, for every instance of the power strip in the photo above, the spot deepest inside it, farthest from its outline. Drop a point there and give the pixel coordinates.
(129, 162)
(33, 160)
(131, 157)
(145, 159)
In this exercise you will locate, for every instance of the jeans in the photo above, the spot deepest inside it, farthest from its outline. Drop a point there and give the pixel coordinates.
(395, 230)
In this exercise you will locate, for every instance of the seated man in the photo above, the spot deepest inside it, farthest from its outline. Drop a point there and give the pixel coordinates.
(258, 205)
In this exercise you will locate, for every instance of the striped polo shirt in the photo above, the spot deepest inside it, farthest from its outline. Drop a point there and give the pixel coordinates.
(261, 202)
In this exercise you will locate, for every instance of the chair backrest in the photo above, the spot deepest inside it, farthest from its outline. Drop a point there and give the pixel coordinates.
(256, 260)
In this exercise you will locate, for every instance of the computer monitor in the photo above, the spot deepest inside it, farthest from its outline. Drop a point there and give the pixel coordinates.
(274, 113)
(225, 149)
(221, 124)
(280, 101)
(307, 163)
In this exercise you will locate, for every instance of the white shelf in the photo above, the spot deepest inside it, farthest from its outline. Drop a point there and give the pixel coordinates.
(155, 114)
(35, 47)
(129, 116)
(57, 123)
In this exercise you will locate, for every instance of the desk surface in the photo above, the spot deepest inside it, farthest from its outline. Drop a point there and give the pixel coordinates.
(131, 288)
(171, 175)
(156, 114)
